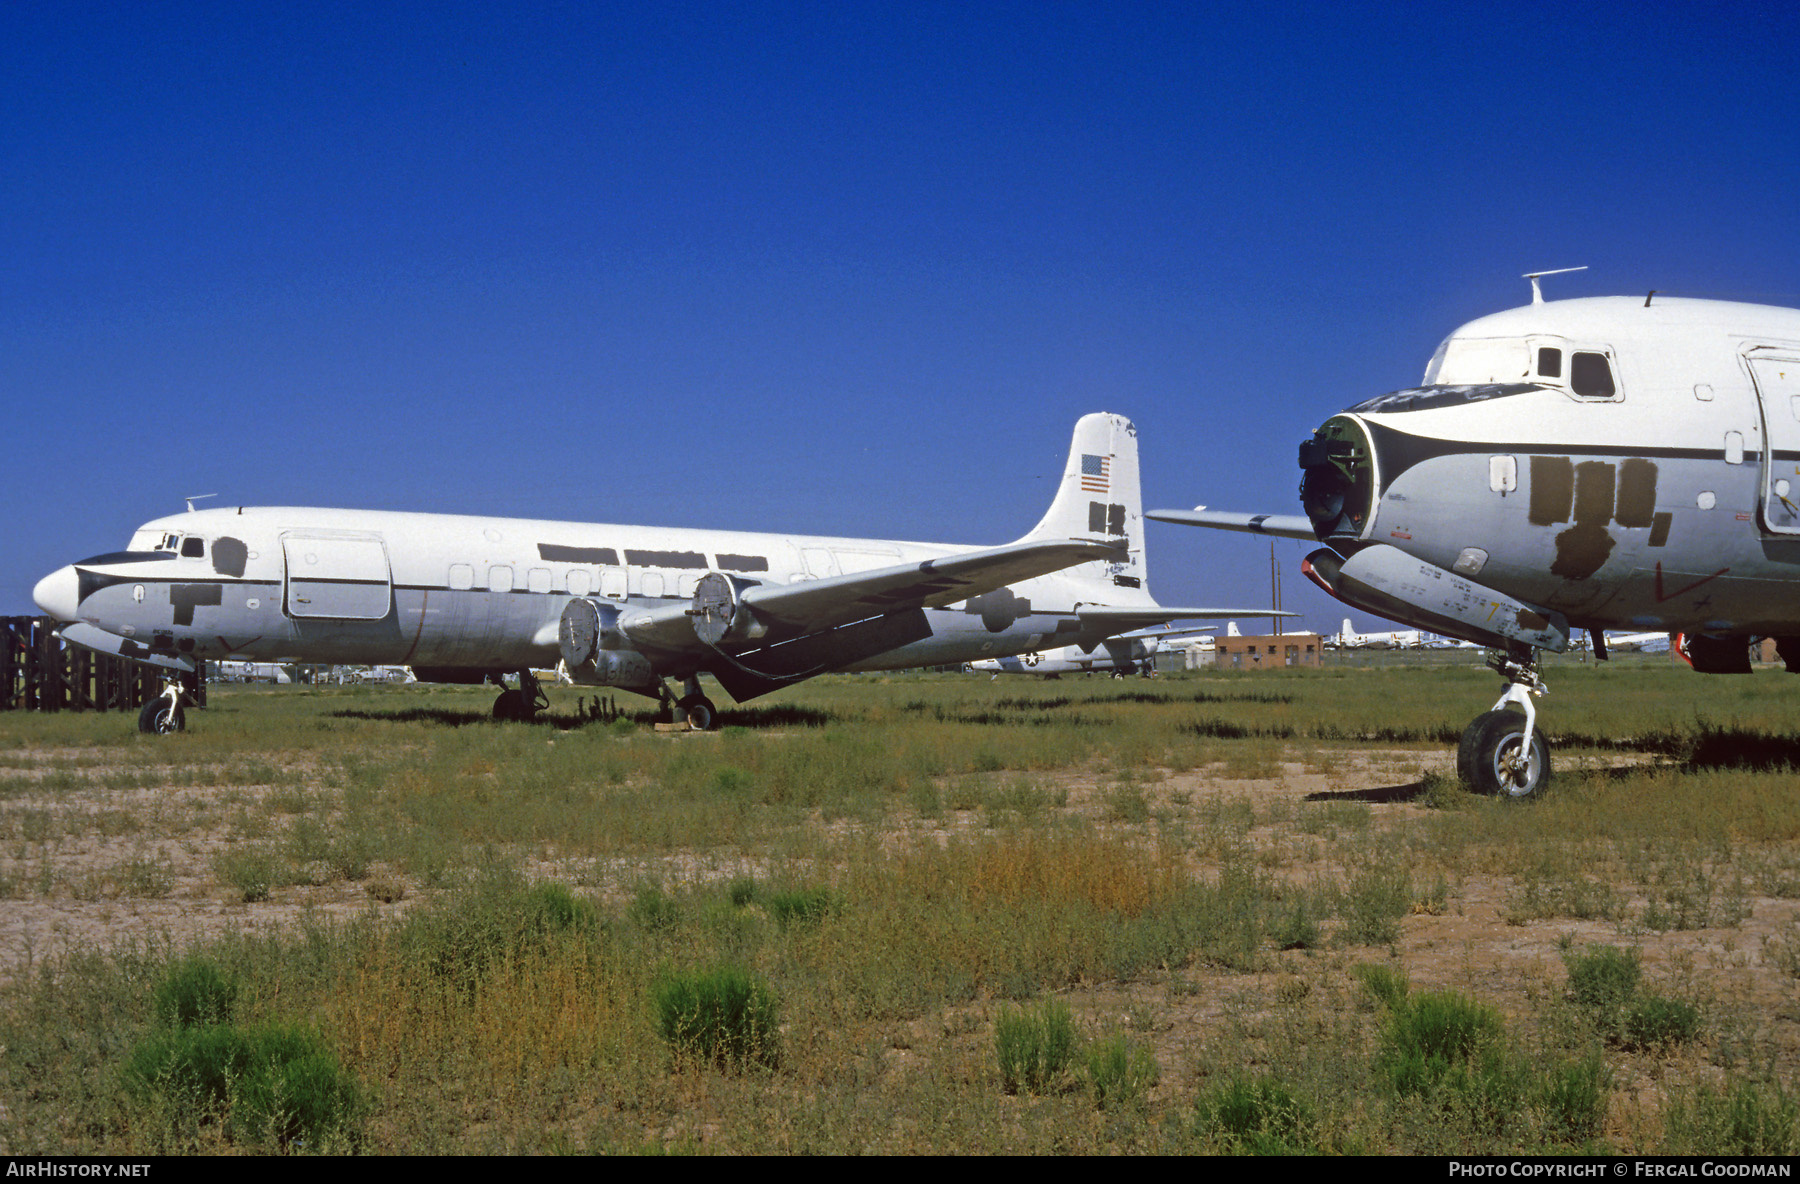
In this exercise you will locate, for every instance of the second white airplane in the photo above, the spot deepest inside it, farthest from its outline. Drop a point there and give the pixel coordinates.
(472, 599)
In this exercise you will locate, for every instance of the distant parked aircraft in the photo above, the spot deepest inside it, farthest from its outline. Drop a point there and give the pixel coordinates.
(1348, 638)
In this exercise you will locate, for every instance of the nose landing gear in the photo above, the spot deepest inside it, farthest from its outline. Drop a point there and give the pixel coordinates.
(167, 713)
(1501, 752)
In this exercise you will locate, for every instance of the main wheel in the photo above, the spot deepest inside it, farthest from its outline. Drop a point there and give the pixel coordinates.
(1489, 759)
(161, 717)
(511, 705)
(701, 715)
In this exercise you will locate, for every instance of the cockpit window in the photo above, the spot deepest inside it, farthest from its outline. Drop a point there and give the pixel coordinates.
(1549, 362)
(193, 547)
(169, 542)
(1590, 376)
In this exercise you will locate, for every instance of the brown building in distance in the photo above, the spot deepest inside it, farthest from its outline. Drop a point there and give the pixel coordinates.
(1273, 651)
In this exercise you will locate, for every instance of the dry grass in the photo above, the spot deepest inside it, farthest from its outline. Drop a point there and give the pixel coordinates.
(1198, 862)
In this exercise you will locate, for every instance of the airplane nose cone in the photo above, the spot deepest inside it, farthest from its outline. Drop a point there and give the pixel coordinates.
(59, 593)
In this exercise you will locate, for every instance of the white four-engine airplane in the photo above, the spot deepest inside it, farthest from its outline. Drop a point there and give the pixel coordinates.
(1607, 463)
(1348, 638)
(473, 599)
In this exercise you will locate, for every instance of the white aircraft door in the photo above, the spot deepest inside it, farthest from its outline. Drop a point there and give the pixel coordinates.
(1777, 378)
(337, 578)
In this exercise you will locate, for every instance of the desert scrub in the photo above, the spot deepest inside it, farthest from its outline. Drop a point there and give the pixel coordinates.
(264, 1085)
(1119, 1070)
(1439, 1039)
(1605, 983)
(194, 992)
(1035, 1047)
(1255, 1115)
(723, 1015)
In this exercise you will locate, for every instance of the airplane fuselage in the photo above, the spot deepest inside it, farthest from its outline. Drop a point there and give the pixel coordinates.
(1621, 465)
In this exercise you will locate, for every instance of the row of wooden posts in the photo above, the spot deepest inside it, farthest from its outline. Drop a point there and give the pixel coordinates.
(39, 673)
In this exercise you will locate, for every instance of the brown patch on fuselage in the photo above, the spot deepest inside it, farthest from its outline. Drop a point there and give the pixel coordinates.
(1581, 550)
(1593, 493)
(1552, 489)
(1531, 620)
(1637, 493)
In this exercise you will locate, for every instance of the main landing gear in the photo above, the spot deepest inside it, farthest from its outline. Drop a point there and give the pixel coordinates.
(522, 704)
(1502, 753)
(695, 707)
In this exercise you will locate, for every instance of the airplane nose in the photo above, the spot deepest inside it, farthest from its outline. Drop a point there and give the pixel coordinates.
(59, 593)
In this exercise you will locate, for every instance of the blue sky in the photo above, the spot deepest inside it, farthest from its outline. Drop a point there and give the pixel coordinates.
(834, 269)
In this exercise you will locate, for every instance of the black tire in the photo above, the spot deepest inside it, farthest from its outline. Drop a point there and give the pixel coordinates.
(1488, 746)
(511, 706)
(160, 717)
(702, 716)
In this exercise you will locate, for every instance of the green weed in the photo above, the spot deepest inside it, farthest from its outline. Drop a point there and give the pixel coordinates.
(1035, 1047)
(722, 1015)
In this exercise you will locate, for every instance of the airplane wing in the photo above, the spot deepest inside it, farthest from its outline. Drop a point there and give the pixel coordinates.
(1287, 526)
(1101, 618)
(767, 612)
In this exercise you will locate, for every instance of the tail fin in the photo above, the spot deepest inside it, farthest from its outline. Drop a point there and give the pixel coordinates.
(1348, 632)
(1100, 498)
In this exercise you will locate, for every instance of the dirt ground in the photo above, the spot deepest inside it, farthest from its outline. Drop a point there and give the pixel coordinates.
(87, 890)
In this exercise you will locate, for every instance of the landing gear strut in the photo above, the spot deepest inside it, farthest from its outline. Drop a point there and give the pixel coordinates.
(1502, 753)
(522, 704)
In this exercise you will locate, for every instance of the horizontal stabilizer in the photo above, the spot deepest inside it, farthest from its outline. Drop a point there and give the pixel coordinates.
(1107, 621)
(1286, 526)
(90, 637)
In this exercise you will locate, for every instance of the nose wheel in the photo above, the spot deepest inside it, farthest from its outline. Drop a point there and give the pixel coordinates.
(167, 713)
(1501, 752)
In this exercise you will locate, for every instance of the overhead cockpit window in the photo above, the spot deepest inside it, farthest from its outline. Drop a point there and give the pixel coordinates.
(169, 542)
(1590, 376)
(193, 547)
(1549, 362)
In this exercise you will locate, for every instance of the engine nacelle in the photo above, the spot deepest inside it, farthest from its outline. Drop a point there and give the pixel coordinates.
(1390, 583)
(595, 652)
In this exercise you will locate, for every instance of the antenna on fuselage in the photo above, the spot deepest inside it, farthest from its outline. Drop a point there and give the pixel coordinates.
(197, 497)
(1537, 293)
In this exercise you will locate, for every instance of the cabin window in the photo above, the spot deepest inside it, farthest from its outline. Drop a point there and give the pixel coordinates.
(193, 547)
(500, 578)
(651, 584)
(1590, 376)
(462, 577)
(537, 579)
(580, 582)
(1549, 362)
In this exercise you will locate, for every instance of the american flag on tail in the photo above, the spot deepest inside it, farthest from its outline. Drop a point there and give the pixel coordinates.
(1096, 473)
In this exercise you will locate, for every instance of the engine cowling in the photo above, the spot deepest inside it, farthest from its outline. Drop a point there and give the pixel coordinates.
(595, 652)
